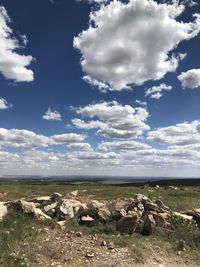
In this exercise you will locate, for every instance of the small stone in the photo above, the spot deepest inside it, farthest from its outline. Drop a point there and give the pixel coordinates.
(181, 245)
(87, 220)
(103, 243)
(110, 245)
(79, 234)
(89, 255)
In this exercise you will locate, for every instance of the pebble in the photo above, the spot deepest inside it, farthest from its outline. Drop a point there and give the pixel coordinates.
(89, 255)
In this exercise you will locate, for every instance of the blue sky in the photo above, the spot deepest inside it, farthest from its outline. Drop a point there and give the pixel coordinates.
(100, 87)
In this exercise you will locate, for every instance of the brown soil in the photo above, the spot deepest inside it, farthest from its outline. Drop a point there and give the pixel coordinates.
(67, 249)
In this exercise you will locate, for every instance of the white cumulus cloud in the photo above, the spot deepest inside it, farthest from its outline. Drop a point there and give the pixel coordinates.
(12, 65)
(113, 119)
(26, 139)
(4, 104)
(130, 43)
(52, 115)
(122, 145)
(181, 134)
(157, 92)
(190, 78)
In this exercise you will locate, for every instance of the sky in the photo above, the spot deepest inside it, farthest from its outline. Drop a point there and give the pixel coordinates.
(100, 87)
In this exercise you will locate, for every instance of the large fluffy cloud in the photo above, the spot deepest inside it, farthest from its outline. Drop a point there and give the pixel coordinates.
(182, 134)
(113, 119)
(130, 43)
(190, 78)
(157, 92)
(12, 64)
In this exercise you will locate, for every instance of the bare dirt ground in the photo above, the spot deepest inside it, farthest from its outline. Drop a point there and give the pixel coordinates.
(76, 250)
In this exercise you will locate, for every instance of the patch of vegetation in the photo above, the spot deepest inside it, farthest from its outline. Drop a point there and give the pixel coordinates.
(184, 232)
(17, 234)
(90, 211)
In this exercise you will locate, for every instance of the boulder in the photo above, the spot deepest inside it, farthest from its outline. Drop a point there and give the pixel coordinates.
(87, 221)
(140, 207)
(128, 224)
(96, 204)
(161, 205)
(195, 213)
(51, 207)
(29, 208)
(68, 208)
(183, 216)
(132, 206)
(149, 224)
(80, 210)
(118, 214)
(3, 211)
(140, 198)
(103, 214)
(39, 215)
(120, 204)
(161, 219)
(151, 206)
(140, 226)
(133, 212)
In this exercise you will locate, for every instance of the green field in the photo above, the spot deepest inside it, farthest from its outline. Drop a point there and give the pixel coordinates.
(186, 197)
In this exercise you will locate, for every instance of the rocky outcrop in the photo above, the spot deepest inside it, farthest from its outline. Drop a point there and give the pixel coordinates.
(130, 215)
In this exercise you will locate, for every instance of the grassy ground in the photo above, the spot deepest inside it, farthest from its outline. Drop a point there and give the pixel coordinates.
(181, 199)
(17, 234)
